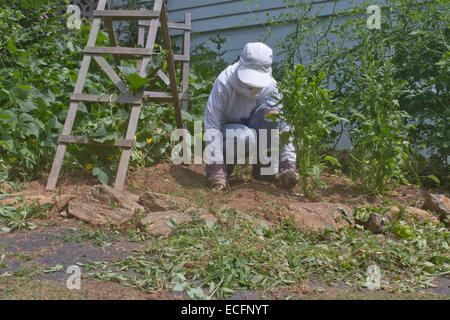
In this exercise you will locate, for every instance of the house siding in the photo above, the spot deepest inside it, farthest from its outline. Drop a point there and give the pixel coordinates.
(233, 20)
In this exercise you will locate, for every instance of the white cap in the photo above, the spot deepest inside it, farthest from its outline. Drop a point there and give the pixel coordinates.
(255, 69)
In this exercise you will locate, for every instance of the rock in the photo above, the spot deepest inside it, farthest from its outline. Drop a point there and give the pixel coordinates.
(376, 223)
(440, 204)
(319, 215)
(61, 203)
(153, 201)
(120, 199)
(418, 215)
(103, 205)
(157, 223)
(98, 214)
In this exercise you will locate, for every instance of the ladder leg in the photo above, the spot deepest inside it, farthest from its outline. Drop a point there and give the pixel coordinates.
(185, 64)
(57, 162)
(171, 68)
(56, 167)
(126, 152)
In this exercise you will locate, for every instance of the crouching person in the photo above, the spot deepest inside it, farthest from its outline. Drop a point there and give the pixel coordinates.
(243, 97)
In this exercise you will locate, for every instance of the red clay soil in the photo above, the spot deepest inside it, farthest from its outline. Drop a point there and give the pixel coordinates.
(245, 194)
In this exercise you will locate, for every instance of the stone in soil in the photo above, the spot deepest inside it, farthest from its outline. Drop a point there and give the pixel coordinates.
(377, 222)
(440, 204)
(103, 205)
(417, 214)
(153, 201)
(317, 216)
(158, 224)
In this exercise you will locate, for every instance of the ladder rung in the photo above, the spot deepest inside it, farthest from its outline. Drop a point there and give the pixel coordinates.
(124, 143)
(178, 57)
(170, 25)
(127, 14)
(118, 50)
(106, 98)
(158, 96)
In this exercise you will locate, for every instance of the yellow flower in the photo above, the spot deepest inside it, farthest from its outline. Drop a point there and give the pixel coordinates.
(149, 140)
(110, 158)
(134, 138)
(89, 166)
(140, 152)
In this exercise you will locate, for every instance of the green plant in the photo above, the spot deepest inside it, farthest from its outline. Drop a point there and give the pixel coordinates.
(308, 110)
(16, 218)
(379, 134)
(39, 63)
(414, 37)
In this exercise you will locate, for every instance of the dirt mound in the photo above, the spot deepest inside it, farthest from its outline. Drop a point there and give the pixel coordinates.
(166, 187)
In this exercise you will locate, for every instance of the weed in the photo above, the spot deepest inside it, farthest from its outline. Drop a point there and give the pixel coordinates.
(308, 110)
(25, 270)
(21, 256)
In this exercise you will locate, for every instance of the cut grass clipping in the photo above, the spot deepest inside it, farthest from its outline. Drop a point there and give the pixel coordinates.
(206, 260)
(13, 217)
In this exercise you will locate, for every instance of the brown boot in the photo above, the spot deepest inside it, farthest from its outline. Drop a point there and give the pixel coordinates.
(217, 177)
(218, 184)
(287, 177)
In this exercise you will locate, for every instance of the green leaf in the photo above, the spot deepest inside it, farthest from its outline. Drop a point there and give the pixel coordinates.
(284, 137)
(172, 223)
(27, 106)
(20, 93)
(197, 294)
(101, 175)
(434, 178)
(136, 82)
(11, 46)
(332, 160)
(58, 267)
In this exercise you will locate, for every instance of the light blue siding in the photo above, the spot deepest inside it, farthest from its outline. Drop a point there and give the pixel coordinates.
(238, 22)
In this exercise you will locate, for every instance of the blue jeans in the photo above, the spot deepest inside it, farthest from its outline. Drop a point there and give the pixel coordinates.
(256, 121)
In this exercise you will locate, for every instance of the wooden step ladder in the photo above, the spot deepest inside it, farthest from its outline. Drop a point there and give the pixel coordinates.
(146, 18)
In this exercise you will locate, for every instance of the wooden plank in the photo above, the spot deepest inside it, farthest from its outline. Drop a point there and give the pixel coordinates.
(126, 152)
(141, 43)
(185, 64)
(163, 77)
(151, 38)
(179, 57)
(111, 74)
(158, 96)
(171, 25)
(171, 68)
(112, 37)
(128, 98)
(136, 110)
(124, 143)
(70, 118)
(127, 14)
(123, 51)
